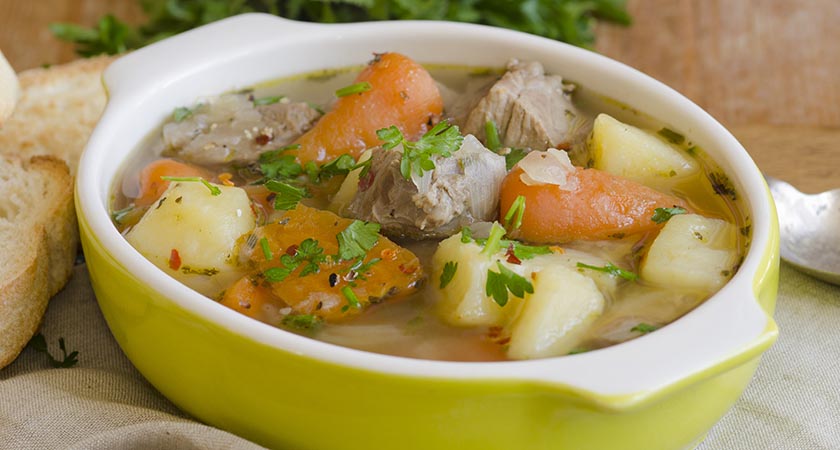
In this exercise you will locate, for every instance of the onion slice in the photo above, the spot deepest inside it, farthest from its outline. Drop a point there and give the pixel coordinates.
(549, 167)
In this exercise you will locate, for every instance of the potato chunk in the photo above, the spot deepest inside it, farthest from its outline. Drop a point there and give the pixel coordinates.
(630, 152)
(692, 252)
(555, 317)
(192, 235)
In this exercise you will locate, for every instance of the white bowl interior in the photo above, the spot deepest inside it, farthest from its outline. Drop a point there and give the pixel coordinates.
(146, 85)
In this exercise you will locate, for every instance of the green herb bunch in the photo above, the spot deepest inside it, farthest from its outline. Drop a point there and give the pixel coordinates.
(571, 21)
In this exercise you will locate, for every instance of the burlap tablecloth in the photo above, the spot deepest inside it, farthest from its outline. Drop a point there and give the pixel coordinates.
(104, 403)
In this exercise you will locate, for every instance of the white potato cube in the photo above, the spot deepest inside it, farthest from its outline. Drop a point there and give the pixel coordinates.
(463, 301)
(640, 155)
(563, 306)
(692, 252)
(202, 229)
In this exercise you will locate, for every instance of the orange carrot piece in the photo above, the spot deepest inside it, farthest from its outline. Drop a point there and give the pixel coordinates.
(249, 298)
(402, 93)
(603, 206)
(152, 185)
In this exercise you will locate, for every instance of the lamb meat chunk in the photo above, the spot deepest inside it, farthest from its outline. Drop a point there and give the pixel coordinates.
(531, 110)
(231, 129)
(461, 190)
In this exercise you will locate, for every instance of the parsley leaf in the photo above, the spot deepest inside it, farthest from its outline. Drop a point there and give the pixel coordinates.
(309, 254)
(357, 88)
(214, 190)
(181, 113)
(661, 215)
(357, 239)
(520, 250)
(287, 196)
(302, 321)
(500, 283)
(514, 156)
(442, 140)
(341, 165)
(278, 165)
(448, 273)
(39, 344)
(644, 328)
(611, 269)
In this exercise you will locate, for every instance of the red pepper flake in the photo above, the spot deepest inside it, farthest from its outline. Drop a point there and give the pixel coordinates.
(262, 139)
(407, 270)
(388, 254)
(511, 256)
(292, 250)
(174, 259)
(366, 182)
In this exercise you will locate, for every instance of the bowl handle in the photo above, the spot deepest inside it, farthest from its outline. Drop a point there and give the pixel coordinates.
(191, 51)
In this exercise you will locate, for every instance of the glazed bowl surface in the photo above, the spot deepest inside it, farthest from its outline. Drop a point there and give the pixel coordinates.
(663, 390)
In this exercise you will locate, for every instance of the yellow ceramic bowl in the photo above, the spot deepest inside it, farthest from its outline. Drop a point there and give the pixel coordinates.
(664, 390)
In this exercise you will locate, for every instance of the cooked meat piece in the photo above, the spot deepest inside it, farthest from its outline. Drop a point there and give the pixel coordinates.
(231, 129)
(530, 109)
(462, 189)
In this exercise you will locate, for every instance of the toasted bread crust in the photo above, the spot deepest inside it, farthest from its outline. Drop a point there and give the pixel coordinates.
(57, 110)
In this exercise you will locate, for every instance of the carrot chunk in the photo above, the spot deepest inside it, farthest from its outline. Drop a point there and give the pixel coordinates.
(602, 206)
(401, 93)
(152, 185)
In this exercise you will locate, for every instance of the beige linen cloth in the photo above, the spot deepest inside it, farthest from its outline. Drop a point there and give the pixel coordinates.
(104, 403)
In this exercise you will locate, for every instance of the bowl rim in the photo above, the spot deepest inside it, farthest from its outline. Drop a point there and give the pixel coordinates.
(746, 329)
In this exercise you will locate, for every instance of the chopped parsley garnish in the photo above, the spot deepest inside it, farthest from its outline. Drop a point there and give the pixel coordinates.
(214, 190)
(181, 113)
(356, 88)
(494, 241)
(309, 254)
(661, 215)
(357, 239)
(466, 235)
(39, 344)
(514, 156)
(520, 250)
(352, 300)
(644, 328)
(338, 166)
(517, 210)
(268, 100)
(493, 141)
(302, 321)
(360, 268)
(611, 269)
(505, 280)
(672, 136)
(722, 185)
(277, 165)
(448, 273)
(442, 140)
(269, 255)
(287, 196)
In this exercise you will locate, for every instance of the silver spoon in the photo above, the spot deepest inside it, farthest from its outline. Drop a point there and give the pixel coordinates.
(810, 229)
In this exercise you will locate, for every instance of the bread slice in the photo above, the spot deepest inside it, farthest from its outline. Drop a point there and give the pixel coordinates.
(38, 240)
(57, 110)
(9, 89)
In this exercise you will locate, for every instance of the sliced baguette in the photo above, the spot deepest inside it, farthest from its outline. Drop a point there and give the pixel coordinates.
(9, 89)
(57, 110)
(38, 240)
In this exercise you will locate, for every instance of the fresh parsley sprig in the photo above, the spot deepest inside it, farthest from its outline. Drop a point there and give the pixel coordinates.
(505, 280)
(611, 269)
(39, 344)
(442, 140)
(448, 273)
(661, 215)
(214, 190)
(309, 254)
(571, 21)
(357, 239)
